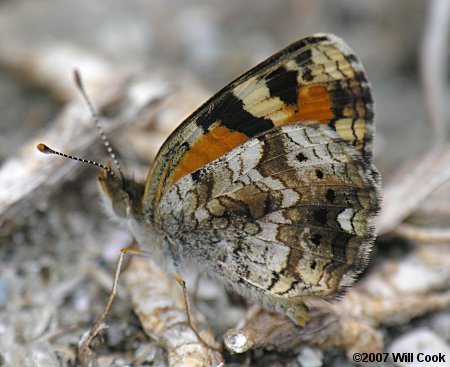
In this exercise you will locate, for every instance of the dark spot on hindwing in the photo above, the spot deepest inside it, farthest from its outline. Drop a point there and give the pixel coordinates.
(320, 216)
(195, 175)
(330, 196)
(301, 157)
(316, 239)
(233, 206)
(319, 174)
(340, 246)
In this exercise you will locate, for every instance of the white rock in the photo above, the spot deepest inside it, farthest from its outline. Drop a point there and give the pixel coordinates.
(423, 344)
(414, 276)
(310, 357)
(440, 323)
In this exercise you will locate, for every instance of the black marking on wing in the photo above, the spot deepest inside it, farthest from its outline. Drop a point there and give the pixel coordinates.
(232, 114)
(283, 84)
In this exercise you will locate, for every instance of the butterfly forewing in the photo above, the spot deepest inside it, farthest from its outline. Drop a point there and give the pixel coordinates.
(317, 79)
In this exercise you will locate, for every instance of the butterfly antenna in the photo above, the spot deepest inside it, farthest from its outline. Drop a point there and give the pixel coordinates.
(106, 143)
(46, 150)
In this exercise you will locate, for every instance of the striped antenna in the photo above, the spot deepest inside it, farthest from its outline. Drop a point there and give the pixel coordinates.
(46, 150)
(106, 143)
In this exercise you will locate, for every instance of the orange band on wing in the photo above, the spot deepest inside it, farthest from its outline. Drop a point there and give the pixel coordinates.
(314, 104)
(214, 144)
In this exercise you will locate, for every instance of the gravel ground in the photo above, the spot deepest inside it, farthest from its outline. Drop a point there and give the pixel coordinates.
(58, 248)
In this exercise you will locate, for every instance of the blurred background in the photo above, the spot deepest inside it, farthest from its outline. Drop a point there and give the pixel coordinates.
(57, 247)
(209, 44)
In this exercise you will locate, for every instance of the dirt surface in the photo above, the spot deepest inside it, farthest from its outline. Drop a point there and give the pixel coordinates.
(146, 65)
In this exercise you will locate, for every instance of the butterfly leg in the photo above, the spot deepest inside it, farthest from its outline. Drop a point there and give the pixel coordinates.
(182, 283)
(85, 354)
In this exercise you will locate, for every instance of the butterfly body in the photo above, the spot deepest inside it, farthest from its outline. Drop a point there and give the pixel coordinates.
(269, 186)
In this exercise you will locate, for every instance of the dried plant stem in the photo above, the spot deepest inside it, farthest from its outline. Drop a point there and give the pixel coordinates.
(411, 186)
(402, 196)
(423, 234)
(160, 306)
(433, 58)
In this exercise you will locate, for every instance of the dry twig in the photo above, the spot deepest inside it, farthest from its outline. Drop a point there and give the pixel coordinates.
(159, 304)
(423, 234)
(415, 182)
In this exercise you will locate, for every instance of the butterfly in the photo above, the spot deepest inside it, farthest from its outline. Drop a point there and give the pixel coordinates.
(270, 186)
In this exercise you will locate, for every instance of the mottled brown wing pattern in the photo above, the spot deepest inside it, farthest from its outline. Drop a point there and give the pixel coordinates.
(317, 79)
(286, 215)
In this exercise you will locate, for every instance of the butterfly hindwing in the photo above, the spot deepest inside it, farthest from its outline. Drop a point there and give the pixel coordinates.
(286, 215)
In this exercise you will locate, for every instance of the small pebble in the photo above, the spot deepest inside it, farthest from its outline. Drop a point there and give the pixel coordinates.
(426, 348)
(309, 357)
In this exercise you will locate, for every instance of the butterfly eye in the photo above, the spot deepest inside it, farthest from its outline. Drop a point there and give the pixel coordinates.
(120, 204)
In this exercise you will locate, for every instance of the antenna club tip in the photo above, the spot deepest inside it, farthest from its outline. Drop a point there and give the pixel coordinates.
(43, 148)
